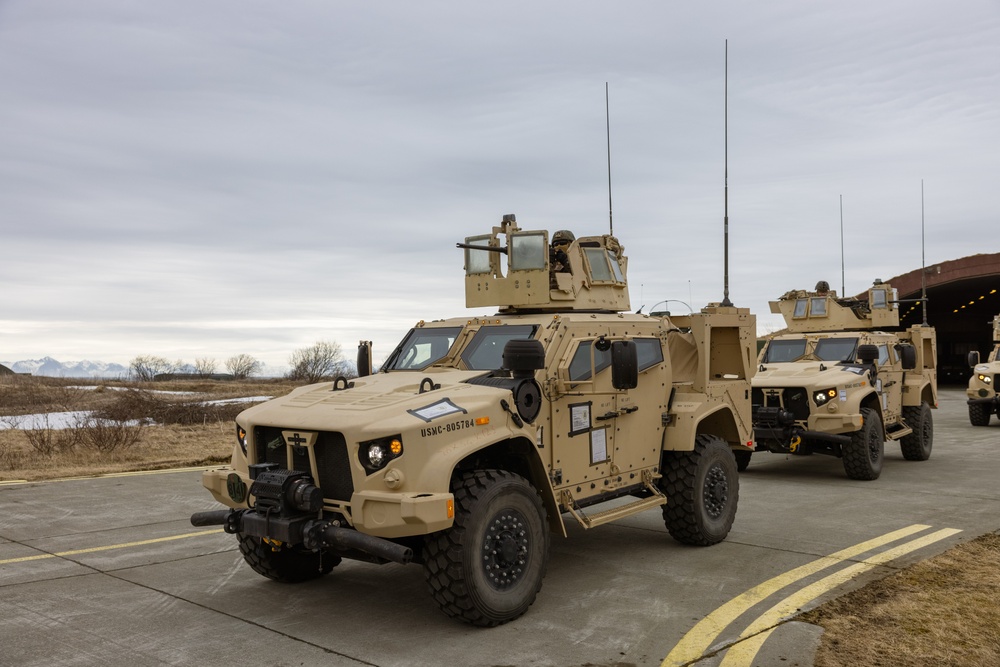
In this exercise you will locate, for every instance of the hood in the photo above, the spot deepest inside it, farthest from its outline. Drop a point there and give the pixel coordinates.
(377, 403)
(802, 373)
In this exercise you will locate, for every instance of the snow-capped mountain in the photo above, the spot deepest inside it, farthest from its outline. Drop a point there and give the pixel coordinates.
(70, 369)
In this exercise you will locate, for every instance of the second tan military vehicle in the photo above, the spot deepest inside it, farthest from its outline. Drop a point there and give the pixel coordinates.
(834, 382)
(479, 436)
(982, 391)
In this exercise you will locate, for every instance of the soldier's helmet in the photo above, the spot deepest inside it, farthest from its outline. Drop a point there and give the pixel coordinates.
(562, 238)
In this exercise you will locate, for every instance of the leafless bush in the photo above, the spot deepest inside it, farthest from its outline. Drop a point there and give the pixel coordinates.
(11, 458)
(145, 367)
(138, 405)
(242, 366)
(109, 435)
(205, 366)
(47, 441)
(198, 413)
(321, 360)
(131, 404)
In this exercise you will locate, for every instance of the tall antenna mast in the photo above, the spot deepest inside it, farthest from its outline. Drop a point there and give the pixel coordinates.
(725, 299)
(843, 289)
(923, 259)
(607, 117)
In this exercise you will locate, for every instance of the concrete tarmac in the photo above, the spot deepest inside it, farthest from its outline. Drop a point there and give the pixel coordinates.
(109, 571)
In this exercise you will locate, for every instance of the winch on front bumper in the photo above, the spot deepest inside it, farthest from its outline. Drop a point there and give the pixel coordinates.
(288, 510)
(775, 429)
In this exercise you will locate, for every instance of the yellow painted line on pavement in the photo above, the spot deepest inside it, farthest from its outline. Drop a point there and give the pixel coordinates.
(700, 637)
(77, 552)
(761, 628)
(134, 473)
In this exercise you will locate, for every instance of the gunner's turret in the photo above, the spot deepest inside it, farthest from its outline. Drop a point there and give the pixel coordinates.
(823, 310)
(518, 270)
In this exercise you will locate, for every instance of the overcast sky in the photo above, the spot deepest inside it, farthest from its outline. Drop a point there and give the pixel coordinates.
(198, 179)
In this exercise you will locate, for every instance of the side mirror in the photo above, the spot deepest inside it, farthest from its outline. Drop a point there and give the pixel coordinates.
(624, 364)
(908, 355)
(868, 354)
(522, 357)
(364, 358)
(973, 358)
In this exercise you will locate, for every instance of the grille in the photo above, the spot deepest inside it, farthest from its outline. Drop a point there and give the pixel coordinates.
(333, 465)
(793, 399)
(797, 402)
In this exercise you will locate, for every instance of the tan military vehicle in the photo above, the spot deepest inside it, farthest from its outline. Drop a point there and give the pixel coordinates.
(480, 436)
(982, 392)
(835, 383)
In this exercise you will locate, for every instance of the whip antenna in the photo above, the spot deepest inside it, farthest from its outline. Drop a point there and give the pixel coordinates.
(843, 290)
(923, 259)
(725, 300)
(607, 117)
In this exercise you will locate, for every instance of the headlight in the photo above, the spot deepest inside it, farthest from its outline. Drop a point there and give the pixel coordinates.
(376, 454)
(985, 379)
(823, 396)
(241, 438)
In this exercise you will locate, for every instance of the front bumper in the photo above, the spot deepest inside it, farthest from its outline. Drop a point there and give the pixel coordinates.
(777, 431)
(376, 513)
(983, 396)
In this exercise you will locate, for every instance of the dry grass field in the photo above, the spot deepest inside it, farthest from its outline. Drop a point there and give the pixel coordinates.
(941, 612)
(118, 426)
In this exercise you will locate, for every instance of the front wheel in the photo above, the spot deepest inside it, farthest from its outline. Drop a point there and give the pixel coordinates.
(979, 414)
(917, 445)
(488, 567)
(702, 489)
(863, 456)
(289, 565)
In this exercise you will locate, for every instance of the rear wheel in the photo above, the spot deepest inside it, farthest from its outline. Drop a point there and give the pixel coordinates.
(979, 414)
(702, 489)
(863, 456)
(289, 565)
(488, 567)
(917, 445)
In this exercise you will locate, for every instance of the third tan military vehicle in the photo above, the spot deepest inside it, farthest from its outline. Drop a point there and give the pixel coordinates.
(481, 435)
(982, 391)
(834, 382)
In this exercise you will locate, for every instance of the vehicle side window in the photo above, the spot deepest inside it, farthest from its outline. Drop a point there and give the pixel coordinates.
(579, 367)
(883, 354)
(649, 352)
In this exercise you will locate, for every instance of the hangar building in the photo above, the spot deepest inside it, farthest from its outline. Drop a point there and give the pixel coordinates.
(963, 296)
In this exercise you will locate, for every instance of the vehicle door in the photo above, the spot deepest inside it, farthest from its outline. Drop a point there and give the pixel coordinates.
(890, 382)
(638, 427)
(582, 423)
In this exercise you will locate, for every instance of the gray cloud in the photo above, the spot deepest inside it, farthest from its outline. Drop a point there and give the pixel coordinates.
(205, 179)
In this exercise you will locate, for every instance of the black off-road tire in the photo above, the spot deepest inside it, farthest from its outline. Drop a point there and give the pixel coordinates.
(289, 565)
(703, 489)
(979, 414)
(863, 457)
(488, 567)
(742, 459)
(917, 446)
